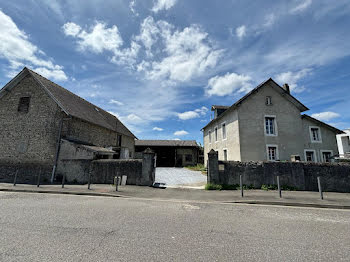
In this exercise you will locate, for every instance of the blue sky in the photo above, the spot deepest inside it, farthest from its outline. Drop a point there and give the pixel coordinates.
(159, 65)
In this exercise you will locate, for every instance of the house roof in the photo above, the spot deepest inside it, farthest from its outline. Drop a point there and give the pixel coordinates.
(176, 143)
(286, 94)
(338, 131)
(74, 105)
(213, 107)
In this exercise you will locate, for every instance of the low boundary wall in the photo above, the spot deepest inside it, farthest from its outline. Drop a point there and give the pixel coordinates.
(301, 175)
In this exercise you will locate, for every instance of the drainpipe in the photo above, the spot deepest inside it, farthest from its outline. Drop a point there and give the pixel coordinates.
(58, 146)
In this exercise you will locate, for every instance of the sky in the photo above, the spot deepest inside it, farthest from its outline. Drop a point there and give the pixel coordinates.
(159, 65)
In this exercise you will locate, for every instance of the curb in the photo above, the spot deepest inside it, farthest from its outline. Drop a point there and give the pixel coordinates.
(61, 192)
(249, 202)
(294, 204)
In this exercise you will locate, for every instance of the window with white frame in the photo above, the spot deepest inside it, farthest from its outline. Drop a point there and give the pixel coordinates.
(223, 131)
(270, 125)
(272, 152)
(209, 134)
(216, 134)
(310, 156)
(268, 101)
(315, 134)
(225, 154)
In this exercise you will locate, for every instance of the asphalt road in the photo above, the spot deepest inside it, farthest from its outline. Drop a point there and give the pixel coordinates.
(42, 227)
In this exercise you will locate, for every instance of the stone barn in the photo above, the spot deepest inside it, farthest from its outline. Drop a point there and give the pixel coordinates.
(42, 123)
(171, 153)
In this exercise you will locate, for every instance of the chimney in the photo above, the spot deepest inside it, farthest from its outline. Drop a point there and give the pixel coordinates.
(286, 88)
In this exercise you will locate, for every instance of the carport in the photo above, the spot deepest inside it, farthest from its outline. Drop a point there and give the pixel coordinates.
(171, 153)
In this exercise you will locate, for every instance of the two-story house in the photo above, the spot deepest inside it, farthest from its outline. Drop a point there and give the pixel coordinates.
(267, 125)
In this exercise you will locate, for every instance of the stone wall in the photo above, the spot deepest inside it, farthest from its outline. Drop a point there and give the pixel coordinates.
(103, 171)
(27, 173)
(31, 136)
(301, 175)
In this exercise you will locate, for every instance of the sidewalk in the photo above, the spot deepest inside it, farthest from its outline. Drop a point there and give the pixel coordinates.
(289, 198)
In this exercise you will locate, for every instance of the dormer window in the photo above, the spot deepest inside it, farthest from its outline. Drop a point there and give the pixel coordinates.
(268, 101)
(23, 105)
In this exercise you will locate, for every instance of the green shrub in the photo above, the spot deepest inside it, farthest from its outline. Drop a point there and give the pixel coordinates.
(269, 187)
(288, 188)
(198, 167)
(213, 187)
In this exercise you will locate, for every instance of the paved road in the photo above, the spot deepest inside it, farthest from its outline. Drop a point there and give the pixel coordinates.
(173, 176)
(42, 227)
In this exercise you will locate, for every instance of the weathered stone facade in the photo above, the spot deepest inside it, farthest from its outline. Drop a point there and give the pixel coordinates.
(28, 137)
(31, 136)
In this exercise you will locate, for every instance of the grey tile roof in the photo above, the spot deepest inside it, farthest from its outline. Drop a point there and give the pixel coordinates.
(176, 143)
(80, 108)
(287, 95)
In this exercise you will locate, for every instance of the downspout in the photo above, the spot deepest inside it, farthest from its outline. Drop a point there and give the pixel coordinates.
(58, 146)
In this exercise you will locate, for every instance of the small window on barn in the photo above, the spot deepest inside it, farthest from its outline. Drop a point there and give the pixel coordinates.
(23, 105)
(119, 140)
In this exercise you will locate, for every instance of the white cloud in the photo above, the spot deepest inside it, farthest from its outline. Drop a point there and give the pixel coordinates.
(193, 114)
(56, 74)
(303, 4)
(269, 20)
(186, 54)
(291, 78)
(116, 102)
(16, 48)
(188, 115)
(132, 7)
(180, 133)
(157, 128)
(100, 38)
(325, 116)
(71, 29)
(241, 31)
(228, 84)
(163, 5)
(148, 34)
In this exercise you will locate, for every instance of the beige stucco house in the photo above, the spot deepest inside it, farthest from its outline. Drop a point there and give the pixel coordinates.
(267, 125)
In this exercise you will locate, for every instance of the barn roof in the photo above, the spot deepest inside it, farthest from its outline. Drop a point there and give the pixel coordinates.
(74, 105)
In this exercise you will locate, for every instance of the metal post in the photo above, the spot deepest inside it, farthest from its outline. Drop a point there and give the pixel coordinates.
(89, 182)
(38, 183)
(63, 180)
(319, 187)
(116, 179)
(241, 185)
(279, 186)
(15, 180)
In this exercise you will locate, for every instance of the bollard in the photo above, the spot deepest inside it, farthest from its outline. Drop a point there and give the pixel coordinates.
(15, 180)
(116, 179)
(319, 187)
(279, 186)
(89, 182)
(241, 185)
(63, 180)
(38, 184)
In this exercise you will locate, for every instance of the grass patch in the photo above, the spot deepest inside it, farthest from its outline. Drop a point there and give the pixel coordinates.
(275, 187)
(198, 167)
(227, 187)
(213, 187)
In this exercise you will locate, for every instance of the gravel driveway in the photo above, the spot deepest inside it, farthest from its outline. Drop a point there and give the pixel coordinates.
(174, 176)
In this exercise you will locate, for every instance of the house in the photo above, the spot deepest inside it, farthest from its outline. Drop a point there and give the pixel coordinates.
(267, 125)
(343, 141)
(171, 153)
(41, 122)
